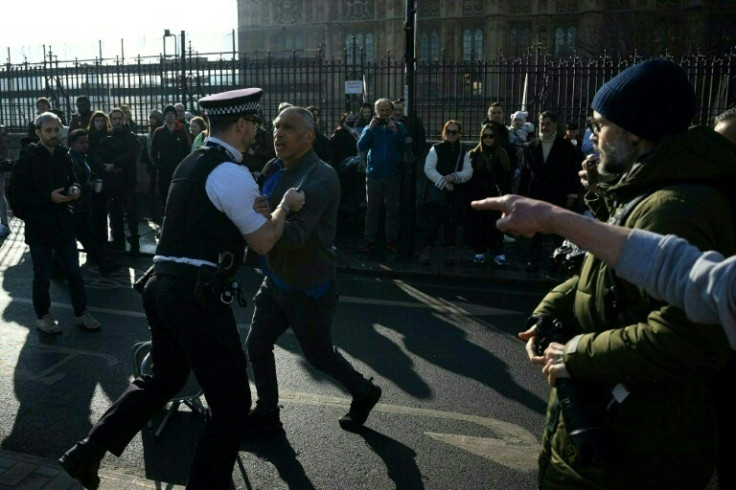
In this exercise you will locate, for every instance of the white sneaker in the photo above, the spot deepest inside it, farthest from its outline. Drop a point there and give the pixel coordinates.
(88, 321)
(479, 258)
(4, 230)
(48, 324)
(500, 259)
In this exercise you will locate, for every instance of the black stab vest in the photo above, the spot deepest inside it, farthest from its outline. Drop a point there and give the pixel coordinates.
(193, 227)
(447, 156)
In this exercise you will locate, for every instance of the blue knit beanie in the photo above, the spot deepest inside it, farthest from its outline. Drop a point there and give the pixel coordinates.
(651, 99)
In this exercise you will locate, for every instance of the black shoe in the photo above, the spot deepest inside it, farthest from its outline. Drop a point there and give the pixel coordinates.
(360, 408)
(259, 423)
(82, 462)
(532, 266)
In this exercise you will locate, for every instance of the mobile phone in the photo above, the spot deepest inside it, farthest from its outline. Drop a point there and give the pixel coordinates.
(591, 173)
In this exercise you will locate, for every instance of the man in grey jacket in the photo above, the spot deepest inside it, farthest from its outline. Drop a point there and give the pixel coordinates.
(300, 290)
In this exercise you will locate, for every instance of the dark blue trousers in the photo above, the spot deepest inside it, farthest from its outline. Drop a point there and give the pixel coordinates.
(67, 255)
(311, 320)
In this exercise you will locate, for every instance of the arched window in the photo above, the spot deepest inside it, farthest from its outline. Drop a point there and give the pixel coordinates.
(424, 47)
(467, 45)
(472, 44)
(559, 40)
(478, 44)
(571, 35)
(368, 47)
(434, 49)
(350, 49)
(359, 48)
(565, 38)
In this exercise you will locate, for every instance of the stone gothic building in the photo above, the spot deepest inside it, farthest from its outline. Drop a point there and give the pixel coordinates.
(365, 30)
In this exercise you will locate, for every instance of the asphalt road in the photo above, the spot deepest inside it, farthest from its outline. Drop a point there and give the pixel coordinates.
(462, 408)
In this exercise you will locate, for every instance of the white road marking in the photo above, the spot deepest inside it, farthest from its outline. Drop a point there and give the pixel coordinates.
(513, 446)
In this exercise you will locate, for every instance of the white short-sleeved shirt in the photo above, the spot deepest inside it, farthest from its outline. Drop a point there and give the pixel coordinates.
(232, 190)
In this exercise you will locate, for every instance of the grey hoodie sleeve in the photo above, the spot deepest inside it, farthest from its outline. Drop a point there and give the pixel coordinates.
(672, 270)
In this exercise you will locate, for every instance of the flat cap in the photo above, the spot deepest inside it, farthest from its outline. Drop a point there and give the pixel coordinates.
(233, 103)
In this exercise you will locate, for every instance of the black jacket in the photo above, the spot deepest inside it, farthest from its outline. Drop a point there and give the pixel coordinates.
(553, 180)
(36, 173)
(120, 148)
(343, 145)
(169, 148)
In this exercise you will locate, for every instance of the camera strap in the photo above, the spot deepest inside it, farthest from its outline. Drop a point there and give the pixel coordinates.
(615, 297)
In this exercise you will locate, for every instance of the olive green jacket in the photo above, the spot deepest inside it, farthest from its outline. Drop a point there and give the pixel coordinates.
(664, 430)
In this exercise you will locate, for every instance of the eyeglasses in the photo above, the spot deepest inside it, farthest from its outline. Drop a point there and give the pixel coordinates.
(596, 127)
(488, 136)
(452, 132)
(257, 124)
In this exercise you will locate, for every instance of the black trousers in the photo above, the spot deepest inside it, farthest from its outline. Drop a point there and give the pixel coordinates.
(183, 337)
(99, 218)
(311, 321)
(121, 203)
(164, 182)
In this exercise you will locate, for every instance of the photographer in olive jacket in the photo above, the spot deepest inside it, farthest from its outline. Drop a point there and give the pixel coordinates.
(641, 366)
(44, 184)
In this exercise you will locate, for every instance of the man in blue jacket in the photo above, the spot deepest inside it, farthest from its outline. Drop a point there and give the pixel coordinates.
(383, 139)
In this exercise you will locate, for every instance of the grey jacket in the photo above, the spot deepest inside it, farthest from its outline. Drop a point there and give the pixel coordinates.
(672, 270)
(304, 257)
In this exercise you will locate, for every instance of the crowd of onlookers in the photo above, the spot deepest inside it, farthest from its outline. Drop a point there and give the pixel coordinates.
(372, 151)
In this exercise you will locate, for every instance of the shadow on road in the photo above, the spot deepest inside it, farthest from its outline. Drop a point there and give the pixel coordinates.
(59, 380)
(400, 460)
(277, 450)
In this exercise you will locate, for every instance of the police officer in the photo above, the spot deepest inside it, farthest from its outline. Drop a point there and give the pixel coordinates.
(210, 217)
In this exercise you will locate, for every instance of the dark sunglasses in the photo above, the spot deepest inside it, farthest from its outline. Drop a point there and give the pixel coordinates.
(451, 131)
(489, 136)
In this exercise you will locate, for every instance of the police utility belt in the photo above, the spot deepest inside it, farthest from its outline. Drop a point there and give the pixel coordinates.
(213, 286)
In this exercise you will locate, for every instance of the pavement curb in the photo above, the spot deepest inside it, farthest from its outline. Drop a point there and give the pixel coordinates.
(25, 471)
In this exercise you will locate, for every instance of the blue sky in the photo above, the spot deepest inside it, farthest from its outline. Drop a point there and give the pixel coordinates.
(73, 28)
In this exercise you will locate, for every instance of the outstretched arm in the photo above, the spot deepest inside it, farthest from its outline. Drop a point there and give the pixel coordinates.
(526, 217)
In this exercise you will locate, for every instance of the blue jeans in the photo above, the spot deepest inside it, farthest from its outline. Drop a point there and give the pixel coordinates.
(43, 261)
(311, 320)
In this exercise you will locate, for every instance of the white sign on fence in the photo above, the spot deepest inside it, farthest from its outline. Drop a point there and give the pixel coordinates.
(353, 86)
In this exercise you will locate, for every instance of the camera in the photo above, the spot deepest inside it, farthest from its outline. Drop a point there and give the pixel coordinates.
(583, 404)
(382, 121)
(569, 257)
(591, 173)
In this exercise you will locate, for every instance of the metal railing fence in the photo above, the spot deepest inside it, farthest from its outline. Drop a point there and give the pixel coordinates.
(445, 89)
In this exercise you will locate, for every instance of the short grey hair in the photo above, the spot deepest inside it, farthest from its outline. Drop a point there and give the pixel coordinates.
(304, 114)
(380, 101)
(45, 117)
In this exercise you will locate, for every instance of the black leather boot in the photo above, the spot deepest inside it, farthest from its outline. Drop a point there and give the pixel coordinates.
(82, 462)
